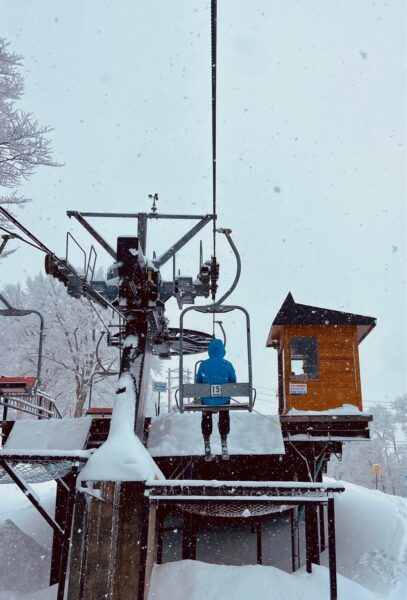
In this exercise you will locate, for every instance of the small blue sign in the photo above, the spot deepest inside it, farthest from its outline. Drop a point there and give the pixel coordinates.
(159, 386)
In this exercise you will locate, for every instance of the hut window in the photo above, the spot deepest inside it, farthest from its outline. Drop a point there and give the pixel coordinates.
(304, 357)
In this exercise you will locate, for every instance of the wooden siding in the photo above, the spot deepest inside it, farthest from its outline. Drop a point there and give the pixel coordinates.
(338, 362)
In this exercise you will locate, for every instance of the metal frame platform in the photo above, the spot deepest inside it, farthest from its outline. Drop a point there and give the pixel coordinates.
(65, 468)
(310, 495)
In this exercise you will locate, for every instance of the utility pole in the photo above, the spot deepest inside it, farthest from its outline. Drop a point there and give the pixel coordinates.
(170, 379)
(169, 389)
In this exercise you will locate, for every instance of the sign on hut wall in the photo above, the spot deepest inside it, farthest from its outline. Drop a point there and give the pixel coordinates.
(298, 389)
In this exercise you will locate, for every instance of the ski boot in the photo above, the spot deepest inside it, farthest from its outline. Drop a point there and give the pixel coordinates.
(208, 454)
(225, 452)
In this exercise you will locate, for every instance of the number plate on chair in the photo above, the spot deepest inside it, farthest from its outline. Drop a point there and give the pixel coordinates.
(216, 390)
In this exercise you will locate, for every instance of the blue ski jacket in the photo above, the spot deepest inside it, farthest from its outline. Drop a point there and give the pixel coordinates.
(214, 370)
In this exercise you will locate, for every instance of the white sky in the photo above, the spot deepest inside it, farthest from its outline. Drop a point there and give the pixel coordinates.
(311, 147)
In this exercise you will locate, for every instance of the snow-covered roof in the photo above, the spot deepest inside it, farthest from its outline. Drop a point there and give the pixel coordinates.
(293, 313)
(177, 434)
(48, 435)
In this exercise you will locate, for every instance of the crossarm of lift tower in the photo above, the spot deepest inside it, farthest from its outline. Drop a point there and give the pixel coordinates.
(142, 230)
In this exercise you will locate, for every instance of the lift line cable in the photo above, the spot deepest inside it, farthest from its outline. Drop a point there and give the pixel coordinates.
(213, 74)
(18, 237)
(214, 269)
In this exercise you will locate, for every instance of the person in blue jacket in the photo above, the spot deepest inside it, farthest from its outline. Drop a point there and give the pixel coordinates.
(215, 370)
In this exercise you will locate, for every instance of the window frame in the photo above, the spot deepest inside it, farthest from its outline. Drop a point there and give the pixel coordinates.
(304, 376)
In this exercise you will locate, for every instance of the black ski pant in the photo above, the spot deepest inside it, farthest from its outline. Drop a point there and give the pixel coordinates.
(223, 425)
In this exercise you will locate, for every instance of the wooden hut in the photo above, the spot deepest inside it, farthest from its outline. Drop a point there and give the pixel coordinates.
(318, 356)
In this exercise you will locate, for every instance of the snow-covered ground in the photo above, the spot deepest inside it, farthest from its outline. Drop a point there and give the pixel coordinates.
(371, 530)
(25, 543)
(371, 537)
(194, 580)
(49, 593)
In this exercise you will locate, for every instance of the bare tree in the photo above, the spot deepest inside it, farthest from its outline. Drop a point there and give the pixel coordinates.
(23, 141)
(384, 449)
(72, 329)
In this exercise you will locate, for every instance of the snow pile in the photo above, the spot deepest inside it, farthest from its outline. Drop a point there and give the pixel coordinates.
(25, 543)
(345, 409)
(194, 580)
(371, 537)
(49, 434)
(49, 593)
(177, 434)
(17, 547)
(122, 457)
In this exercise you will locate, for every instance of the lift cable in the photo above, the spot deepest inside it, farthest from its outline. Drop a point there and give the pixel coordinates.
(19, 237)
(36, 243)
(214, 269)
(213, 74)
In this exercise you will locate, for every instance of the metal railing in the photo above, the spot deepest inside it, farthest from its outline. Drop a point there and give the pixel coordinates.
(39, 405)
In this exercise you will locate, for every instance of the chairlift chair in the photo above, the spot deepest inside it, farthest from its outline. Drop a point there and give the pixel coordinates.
(198, 391)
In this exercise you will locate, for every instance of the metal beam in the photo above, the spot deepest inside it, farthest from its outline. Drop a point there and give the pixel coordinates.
(161, 260)
(79, 217)
(155, 216)
(142, 231)
(27, 492)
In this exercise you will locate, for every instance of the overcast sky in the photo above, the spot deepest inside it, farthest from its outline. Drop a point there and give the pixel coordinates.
(311, 148)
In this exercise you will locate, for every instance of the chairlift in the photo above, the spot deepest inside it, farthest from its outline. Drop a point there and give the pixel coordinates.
(197, 391)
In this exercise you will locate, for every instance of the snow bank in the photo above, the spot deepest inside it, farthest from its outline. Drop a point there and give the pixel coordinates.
(49, 434)
(194, 580)
(15, 507)
(122, 457)
(177, 434)
(371, 537)
(49, 593)
(345, 409)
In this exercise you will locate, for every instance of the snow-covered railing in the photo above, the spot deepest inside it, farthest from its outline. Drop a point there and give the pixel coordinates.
(39, 405)
(234, 491)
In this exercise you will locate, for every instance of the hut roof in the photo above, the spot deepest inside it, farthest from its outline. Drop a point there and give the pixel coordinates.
(292, 313)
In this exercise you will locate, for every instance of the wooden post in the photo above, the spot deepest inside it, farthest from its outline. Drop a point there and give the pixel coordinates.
(295, 554)
(189, 538)
(151, 547)
(308, 538)
(312, 535)
(5, 410)
(332, 550)
(61, 501)
(315, 534)
(114, 544)
(63, 566)
(259, 544)
(322, 527)
(160, 535)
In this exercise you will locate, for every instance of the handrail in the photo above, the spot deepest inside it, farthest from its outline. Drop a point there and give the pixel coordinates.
(39, 404)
